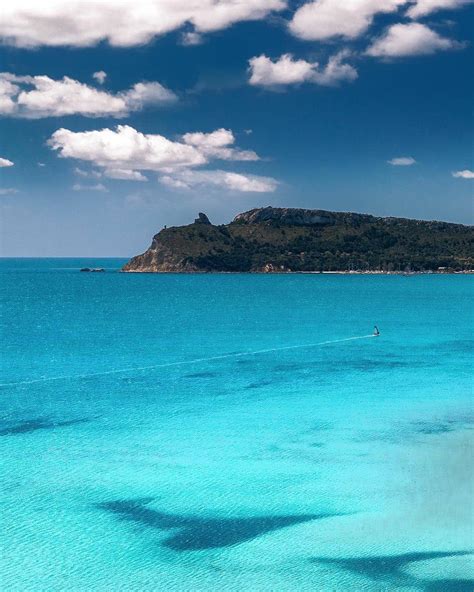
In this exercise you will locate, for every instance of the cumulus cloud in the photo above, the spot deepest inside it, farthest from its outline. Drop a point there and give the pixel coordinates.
(147, 93)
(191, 38)
(287, 71)
(324, 19)
(98, 187)
(8, 91)
(87, 174)
(424, 7)
(224, 179)
(402, 161)
(124, 153)
(34, 97)
(29, 23)
(100, 76)
(125, 175)
(218, 144)
(335, 71)
(403, 40)
(125, 148)
(4, 162)
(465, 174)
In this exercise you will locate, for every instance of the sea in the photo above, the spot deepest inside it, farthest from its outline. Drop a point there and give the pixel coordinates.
(234, 432)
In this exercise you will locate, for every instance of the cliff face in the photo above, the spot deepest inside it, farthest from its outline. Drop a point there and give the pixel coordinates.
(176, 249)
(287, 239)
(159, 257)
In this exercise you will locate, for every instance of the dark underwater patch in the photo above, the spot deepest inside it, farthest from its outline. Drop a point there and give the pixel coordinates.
(259, 384)
(32, 425)
(411, 432)
(135, 379)
(456, 345)
(429, 428)
(325, 367)
(367, 365)
(200, 375)
(290, 367)
(461, 421)
(319, 426)
(449, 424)
(450, 586)
(389, 569)
(196, 534)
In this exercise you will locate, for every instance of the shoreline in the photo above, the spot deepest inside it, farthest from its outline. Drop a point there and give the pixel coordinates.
(404, 273)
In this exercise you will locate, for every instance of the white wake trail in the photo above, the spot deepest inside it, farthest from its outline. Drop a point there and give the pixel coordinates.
(184, 362)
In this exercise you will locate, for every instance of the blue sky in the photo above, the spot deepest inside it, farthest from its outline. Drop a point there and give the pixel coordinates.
(361, 106)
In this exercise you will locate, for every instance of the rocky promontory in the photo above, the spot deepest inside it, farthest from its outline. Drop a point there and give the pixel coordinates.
(301, 240)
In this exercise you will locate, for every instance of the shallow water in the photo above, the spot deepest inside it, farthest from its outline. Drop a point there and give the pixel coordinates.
(169, 432)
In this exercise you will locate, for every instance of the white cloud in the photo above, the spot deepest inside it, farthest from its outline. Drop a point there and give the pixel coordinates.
(32, 23)
(402, 40)
(424, 7)
(98, 187)
(125, 175)
(402, 161)
(124, 153)
(87, 174)
(286, 71)
(174, 182)
(4, 162)
(34, 97)
(224, 179)
(8, 91)
(100, 76)
(465, 174)
(191, 38)
(324, 19)
(335, 71)
(8, 191)
(147, 93)
(218, 144)
(125, 148)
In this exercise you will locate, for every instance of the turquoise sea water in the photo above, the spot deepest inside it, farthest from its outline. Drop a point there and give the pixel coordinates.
(128, 466)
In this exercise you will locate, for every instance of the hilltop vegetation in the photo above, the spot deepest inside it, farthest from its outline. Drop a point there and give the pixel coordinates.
(273, 239)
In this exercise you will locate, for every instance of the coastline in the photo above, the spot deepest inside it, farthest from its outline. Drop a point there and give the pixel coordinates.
(403, 273)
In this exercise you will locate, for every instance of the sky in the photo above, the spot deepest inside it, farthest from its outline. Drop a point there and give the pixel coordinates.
(118, 117)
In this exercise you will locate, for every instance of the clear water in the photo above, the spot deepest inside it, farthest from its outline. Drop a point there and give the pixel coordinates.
(333, 467)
